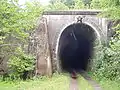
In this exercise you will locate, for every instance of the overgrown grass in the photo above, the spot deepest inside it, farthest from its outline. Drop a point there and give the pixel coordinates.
(57, 82)
(110, 85)
(105, 83)
(83, 84)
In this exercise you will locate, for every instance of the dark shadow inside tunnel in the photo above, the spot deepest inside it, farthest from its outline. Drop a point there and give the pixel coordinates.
(75, 47)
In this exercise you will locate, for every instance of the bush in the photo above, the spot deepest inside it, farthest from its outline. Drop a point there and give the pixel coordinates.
(20, 65)
(106, 63)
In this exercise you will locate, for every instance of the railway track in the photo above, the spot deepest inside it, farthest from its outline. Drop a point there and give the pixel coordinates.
(74, 83)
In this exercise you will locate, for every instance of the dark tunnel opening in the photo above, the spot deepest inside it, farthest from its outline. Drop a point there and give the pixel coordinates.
(76, 47)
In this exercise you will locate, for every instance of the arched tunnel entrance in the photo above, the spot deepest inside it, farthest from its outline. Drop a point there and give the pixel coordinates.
(75, 47)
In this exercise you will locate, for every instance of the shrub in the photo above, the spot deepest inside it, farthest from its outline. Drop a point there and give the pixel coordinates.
(106, 63)
(20, 65)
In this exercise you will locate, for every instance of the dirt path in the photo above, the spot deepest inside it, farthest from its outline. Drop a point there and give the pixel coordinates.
(74, 84)
(94, 84)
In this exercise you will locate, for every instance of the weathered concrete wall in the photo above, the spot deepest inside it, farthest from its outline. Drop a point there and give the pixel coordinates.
(57, 23)
(39, 47)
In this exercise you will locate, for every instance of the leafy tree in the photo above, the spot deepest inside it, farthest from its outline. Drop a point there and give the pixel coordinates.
(16, 24)
(58, 6)
(95, 4)
(109, 3)
(21, 65)
(53, 1)
(87, 3)
(107, 64)
(68, 3)
(79, 4)
(103, 4)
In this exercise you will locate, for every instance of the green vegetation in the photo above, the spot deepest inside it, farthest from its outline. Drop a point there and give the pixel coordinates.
(18, 22)
(57, 6)
(106, 64)
(20, 65)
(83, 84)
(57, 82)
(109, 85)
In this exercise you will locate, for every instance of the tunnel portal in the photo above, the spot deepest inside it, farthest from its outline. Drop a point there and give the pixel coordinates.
(75, 47)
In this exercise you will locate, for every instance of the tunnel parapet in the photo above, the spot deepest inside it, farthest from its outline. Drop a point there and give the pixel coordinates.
(57, 21)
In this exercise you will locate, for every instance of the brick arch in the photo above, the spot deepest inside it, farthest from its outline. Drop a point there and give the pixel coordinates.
(91, 24)
(96, 28)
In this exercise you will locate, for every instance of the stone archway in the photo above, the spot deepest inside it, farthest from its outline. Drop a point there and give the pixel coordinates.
(61, 34)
